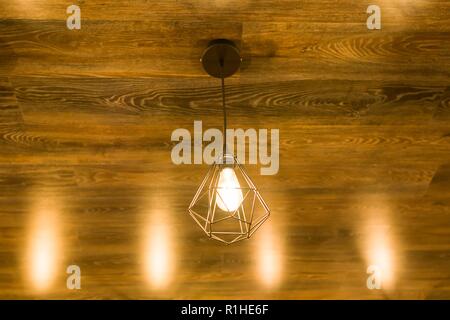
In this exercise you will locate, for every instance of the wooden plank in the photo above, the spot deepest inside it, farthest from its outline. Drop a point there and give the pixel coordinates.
(320, 15)
(310, 102)
(282, 51)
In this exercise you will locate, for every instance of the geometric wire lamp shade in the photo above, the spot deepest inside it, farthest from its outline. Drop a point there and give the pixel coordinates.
(227, 205)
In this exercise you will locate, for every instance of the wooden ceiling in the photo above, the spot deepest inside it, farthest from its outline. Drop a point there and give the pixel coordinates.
(86, 176)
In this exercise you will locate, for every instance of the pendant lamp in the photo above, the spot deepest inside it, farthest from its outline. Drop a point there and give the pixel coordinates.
(227, 206)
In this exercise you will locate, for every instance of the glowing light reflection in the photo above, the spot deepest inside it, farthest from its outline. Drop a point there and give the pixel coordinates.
(158, 250)
(378, 245)
(269, 257)
(43, 248)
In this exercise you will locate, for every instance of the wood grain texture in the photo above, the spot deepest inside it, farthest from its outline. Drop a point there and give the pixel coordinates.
(284, 50)
(10, 113)
(86, 118)
(432, 14)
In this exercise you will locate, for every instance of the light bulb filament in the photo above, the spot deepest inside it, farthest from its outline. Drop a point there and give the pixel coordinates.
(229, 193)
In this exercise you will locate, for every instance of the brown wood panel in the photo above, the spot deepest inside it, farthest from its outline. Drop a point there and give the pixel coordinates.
(86, 176)
(283, 51)
(310, 102)
(319, 248)
(324, 14)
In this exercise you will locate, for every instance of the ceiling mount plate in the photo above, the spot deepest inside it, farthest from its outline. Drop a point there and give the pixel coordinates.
(221, 59)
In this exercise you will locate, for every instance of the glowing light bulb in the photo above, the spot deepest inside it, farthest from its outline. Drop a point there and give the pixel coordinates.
(229, 191)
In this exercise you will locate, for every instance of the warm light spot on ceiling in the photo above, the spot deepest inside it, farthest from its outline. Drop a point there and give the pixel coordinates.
(269, 256)
(377, 243)
(380, 253)
(158, 249)
(399, 11)
(43, 246)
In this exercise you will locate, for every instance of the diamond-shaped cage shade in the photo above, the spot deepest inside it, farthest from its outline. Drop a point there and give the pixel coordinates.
(227, 205)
